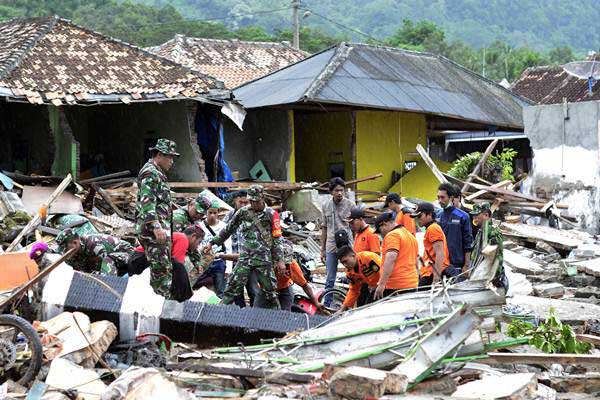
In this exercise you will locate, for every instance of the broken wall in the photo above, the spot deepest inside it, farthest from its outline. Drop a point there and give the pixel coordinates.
(123, 133)
(385, 140)
(266, 137)
(565, 139)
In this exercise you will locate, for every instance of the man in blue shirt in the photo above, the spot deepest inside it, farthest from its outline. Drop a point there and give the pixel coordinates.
(456, 225)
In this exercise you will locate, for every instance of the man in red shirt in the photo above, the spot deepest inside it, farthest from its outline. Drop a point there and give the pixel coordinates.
(435, 257)
(183, 244)
(365, 238)
(362, 269)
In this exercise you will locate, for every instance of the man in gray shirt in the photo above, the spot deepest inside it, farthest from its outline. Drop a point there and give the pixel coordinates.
(336, 214)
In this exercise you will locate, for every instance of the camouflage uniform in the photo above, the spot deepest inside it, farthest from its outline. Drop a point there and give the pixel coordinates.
(260, 249)
(99, 253)
(488, 234)
(181, 217)
(153, 210)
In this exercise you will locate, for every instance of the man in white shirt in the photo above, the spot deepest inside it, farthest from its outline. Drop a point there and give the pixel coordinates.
(219, 267)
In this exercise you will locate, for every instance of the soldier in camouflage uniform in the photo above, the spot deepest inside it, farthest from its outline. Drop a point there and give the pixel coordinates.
(153, 215)
(260, 249)
(487, 234)
(96, 253)
(195, 211)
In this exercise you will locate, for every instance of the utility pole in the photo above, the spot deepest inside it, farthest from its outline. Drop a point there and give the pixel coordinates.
(296, 23)
(483, 62)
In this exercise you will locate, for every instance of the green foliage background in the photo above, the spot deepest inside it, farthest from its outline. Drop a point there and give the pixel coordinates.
(498, 167)
(512, 35)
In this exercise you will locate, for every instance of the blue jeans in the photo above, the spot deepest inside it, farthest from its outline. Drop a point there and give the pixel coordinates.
(217, 272)
(331, 264)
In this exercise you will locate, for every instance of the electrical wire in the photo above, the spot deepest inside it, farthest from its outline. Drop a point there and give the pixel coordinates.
(340, 25)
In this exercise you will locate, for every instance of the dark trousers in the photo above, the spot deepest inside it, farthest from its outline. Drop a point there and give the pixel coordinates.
(181, 289)
(252, 290)
(286, 299)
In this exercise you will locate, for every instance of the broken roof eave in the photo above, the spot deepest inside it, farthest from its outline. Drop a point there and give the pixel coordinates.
(212, 97)
(319, 103)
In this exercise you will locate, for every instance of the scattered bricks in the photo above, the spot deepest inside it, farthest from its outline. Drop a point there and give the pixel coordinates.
(358, 383)
(395, 383)
(585, 383)
(549, 290)
(445, 385)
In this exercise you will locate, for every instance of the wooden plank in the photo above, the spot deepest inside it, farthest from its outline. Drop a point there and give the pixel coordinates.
(105, 177)
(241, 372)
(108, 200)
(542, 358)
(266, 185)
(475, 195)
(36, 218)
(438, 174)
(591, 339)
(479, 165)
(507, 193)
(355, 181)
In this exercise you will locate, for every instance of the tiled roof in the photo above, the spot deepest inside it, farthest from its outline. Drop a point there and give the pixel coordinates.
(549, 85)
(51, 60)
(233, 61)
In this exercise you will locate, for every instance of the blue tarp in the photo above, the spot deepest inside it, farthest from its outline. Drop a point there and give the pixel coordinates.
(209, 130)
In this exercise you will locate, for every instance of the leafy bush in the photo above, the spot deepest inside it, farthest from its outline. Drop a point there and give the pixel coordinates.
(551, 337)
(498, 166)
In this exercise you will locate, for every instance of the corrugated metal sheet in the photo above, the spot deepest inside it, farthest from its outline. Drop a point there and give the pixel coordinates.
(387, 78)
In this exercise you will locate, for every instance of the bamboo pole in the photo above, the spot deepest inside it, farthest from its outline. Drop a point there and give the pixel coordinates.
(479, 165)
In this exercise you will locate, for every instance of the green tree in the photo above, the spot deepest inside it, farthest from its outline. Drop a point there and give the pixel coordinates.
(253, 33)
(425, 35)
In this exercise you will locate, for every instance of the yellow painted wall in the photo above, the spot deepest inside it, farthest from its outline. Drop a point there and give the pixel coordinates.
(384, 141)
(322, 138)
(292, 162)
(420, 182)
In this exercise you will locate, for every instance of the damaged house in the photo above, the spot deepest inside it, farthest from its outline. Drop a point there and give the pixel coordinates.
(355, 110)
(234, 62)
(73, 100)
(564, 132)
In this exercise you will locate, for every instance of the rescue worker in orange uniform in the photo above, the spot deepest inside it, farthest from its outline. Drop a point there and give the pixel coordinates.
(363, 268)
(435, 257)
(399, 257)
(285, 281)
(365, 238)
(393, 201)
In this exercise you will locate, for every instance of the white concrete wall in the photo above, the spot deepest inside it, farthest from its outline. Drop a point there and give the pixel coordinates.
(566, 156)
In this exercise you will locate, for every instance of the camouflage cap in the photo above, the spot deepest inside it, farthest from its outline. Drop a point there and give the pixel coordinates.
(202, 203)
(255, 192)
(215, 204)
(481, 207)
(166, 146)
(65, 236)
(288, 251)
